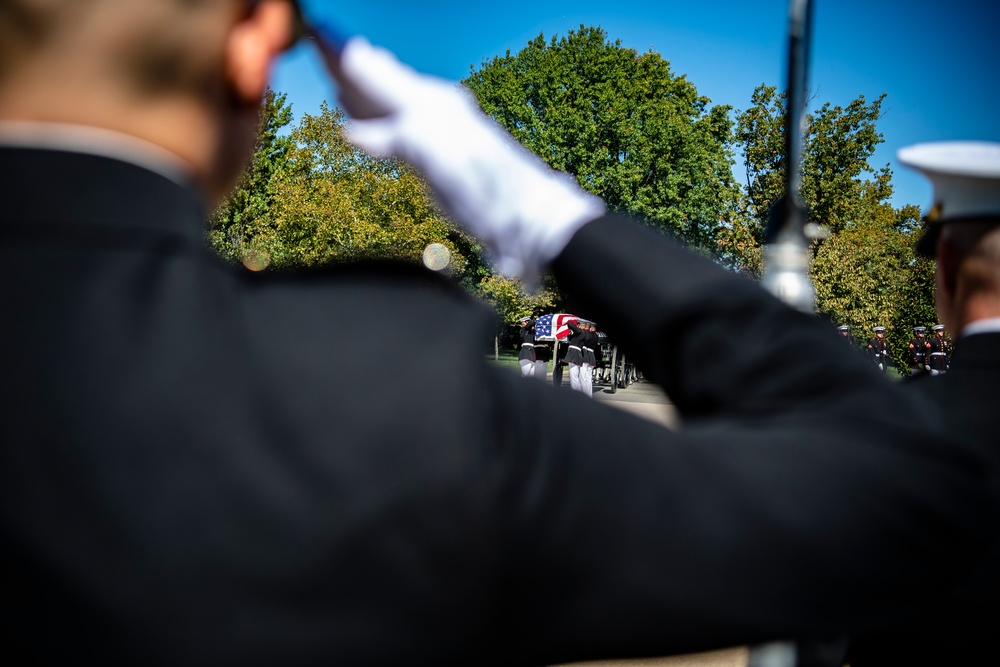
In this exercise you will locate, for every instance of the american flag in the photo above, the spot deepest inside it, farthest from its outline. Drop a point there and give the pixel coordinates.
(553, 327)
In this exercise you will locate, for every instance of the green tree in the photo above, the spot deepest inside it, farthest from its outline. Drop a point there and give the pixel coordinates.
(915, 302)
(865, 273)
(238, 228)
(343, 204)
(838, 182)
(865, 276)
(622, 122)
(510, 300)
(309, 199)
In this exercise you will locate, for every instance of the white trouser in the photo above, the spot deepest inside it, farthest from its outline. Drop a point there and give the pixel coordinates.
(527, 368)
(541, 368)
(587, 379)
(574, 378)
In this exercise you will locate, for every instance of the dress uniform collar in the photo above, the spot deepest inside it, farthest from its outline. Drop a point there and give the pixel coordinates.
(989, 325)
(94, 141)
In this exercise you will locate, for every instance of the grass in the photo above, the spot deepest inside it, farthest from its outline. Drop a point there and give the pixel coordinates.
(508, 358)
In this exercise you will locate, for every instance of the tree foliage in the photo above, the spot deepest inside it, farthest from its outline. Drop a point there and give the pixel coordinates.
(309, 199)
(237, 225)
(838, 183)
(868, 275)
(511, 301)
(865, 273)
(630, 130)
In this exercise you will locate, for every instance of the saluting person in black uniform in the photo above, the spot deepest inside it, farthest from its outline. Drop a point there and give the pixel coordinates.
(919, 347)
(937, 359)
(526, 355)
(185, 478)
(878, 349)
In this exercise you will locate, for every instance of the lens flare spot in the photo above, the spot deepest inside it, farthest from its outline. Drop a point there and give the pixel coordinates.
(256, 260)
(437, 257)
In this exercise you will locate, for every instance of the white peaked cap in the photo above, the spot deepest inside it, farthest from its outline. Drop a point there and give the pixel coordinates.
(966, 180)
(965, 175)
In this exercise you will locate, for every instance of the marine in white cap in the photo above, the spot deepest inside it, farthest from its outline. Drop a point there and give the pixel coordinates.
(963, 235)
(937, 358)
(919, 347)
(878, 349)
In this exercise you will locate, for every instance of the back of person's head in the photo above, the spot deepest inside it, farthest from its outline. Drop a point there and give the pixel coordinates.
(152, 46)
(969, 267)
(963, 226)
(187, 75)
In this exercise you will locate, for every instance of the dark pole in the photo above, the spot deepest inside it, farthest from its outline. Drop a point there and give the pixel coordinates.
(786, 247)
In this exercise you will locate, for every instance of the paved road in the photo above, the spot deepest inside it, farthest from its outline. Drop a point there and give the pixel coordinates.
(641, 398)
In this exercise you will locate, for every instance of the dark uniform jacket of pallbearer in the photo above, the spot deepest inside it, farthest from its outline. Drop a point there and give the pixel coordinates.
(588, 346)
(877, 348)
(527, 338)
(543, 352)
(192, 474)
(574, 348)
(960, 628)
(919, 347)
(937, 354)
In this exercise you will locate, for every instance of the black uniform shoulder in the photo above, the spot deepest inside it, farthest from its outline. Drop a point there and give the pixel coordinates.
(365, 296)
(386, 272)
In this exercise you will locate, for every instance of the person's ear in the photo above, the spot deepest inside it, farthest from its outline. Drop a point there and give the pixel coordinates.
(254, 43)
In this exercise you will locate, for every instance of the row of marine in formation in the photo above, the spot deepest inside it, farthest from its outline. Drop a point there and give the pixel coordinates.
(925, 355)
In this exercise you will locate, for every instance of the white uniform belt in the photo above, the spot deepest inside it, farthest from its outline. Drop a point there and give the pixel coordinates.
(540, 345)
(588, 349)
(574, 347)
(527, 345)
(939, 354)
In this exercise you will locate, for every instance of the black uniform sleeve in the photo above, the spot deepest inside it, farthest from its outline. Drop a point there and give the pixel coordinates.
(783, 507)
(712, 339)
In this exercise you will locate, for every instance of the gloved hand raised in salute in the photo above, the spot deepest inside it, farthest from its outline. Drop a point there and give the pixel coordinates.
(483, 178)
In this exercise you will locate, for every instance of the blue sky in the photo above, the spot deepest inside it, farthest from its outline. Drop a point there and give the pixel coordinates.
(939, 62)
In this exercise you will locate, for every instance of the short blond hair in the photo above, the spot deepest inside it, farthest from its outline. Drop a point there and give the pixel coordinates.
(153, 45)
(25, 25)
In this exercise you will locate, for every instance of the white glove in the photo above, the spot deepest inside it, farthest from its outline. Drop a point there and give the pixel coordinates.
(524, 211)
